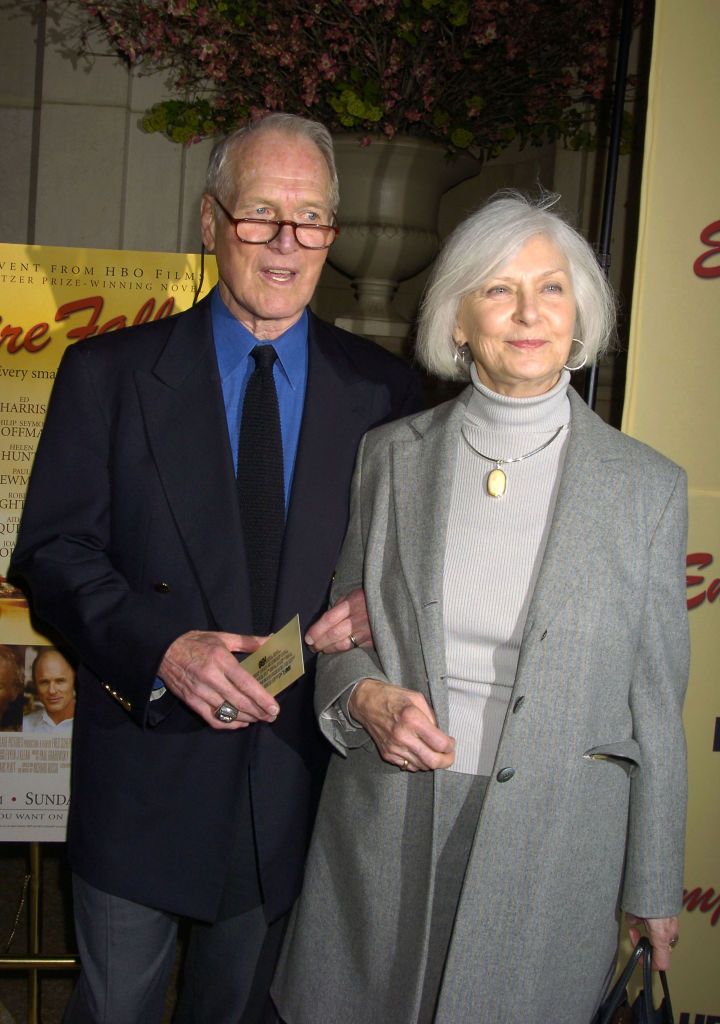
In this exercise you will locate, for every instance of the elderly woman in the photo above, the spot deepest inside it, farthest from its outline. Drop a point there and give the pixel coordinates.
(511, 770)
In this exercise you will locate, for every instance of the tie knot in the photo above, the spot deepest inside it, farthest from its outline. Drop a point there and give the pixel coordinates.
(264, 356)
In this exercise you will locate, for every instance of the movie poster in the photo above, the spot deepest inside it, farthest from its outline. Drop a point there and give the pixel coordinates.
(671, 403)
(51, 297)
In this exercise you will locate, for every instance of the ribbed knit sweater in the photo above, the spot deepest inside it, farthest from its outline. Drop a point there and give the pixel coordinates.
(493, 551)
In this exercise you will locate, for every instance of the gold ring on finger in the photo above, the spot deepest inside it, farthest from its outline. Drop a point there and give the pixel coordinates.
(404, 765)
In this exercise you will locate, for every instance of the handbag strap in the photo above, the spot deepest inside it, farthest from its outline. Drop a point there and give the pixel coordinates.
(611, 1004)
(647, 951)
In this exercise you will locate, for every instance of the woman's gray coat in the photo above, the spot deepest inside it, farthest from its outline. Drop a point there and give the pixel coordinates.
(585, 811)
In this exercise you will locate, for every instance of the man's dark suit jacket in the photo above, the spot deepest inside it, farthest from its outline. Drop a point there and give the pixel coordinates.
(131, 536)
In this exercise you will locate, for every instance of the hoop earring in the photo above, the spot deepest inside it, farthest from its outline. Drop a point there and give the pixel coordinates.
(584, 358)
(461, 356)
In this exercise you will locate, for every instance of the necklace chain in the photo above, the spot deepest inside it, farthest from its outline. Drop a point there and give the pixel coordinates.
(507, 462)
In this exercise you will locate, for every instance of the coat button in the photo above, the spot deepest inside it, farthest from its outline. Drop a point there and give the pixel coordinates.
(518, 704)
(505, 774)
(162, 587)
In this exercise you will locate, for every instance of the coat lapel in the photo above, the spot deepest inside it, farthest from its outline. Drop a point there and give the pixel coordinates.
(423, 471)
(184, 415)
(589, 485)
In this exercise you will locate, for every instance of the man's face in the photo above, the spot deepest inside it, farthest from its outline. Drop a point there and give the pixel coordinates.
(55, 685)
(280, 177)
(10, 686)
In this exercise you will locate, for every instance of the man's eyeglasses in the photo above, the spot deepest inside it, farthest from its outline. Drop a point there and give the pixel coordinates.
(257, 231)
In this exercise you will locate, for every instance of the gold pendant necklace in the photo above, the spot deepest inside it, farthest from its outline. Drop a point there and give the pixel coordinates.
(496, 482)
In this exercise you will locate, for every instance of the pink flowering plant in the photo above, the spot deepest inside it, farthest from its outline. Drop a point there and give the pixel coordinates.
(472, 74)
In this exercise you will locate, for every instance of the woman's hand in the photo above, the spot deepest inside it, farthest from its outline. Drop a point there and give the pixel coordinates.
(402, 726)
(342, 627)
(660, 931)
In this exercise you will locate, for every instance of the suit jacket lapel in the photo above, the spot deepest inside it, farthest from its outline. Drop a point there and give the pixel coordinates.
(335, 416)
(423, 471)
(185, 419)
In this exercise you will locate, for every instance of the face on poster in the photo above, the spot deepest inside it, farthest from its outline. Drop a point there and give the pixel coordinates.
(37, 707)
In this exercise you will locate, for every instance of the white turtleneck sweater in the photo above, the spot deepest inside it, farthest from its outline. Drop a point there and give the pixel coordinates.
(493, 551)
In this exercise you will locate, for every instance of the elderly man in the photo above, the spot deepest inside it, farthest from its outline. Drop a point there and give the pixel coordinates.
(11, 691)
(190, 494)
(54, 683)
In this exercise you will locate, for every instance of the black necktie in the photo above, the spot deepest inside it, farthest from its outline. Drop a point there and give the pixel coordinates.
(261, 485)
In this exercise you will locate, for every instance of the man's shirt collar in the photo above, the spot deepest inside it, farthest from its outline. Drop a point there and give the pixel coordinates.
(234, 343)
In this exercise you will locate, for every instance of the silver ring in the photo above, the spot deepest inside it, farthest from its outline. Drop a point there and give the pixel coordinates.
(673, 942)
(353, 640)
(226, 712)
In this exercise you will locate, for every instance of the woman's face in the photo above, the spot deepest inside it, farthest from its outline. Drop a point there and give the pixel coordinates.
(519, 324)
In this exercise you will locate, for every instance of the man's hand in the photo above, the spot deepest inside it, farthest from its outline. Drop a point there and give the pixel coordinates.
(402, 725)
(332, 631)
(200, 669)
(660, 931)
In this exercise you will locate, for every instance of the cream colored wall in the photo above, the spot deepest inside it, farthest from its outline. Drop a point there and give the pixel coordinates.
(80, 171)
(83, 172)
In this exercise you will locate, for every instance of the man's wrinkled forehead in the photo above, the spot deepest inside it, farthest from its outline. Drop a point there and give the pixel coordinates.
(51, 663)
(278, 162)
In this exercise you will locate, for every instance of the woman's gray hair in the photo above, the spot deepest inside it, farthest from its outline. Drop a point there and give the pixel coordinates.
(220, 173)
(475, 252)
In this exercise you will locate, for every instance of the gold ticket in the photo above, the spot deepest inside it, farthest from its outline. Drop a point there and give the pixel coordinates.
(279, 661)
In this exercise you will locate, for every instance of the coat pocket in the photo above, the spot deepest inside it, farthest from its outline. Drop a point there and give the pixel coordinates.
(625, 753)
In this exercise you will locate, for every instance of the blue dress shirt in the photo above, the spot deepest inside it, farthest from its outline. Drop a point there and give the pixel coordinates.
(233, 345)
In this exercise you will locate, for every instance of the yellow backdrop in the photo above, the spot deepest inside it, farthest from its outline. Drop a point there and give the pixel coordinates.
(672, 404)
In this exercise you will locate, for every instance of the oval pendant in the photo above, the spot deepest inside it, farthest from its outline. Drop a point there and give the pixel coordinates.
(496, 483)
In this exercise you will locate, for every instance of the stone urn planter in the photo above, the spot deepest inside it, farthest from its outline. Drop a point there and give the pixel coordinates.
(390, 195)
